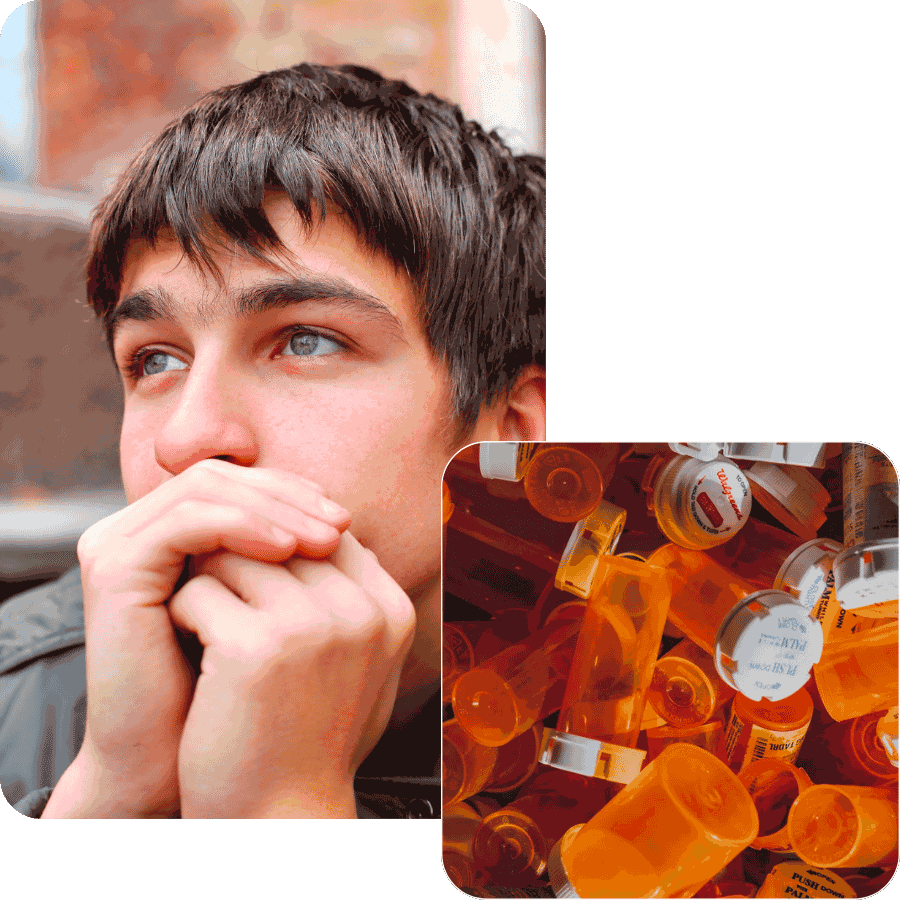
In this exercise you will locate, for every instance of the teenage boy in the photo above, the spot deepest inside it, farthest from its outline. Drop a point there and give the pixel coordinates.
(317, 286)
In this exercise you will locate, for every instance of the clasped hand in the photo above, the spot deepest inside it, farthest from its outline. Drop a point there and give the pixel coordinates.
(298, 680)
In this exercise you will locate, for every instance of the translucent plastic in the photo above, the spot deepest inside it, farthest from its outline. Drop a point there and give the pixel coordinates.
(866, 573)
(773, 784)
(510, 692)
(613, 663)
(466, 765)
(837, 826)
(756, 552)
(703, 592)
(855, 753)
(686, 688)
(710, 736)
(763, 729)
(513, 843)
(682, 820)
(858, 675)
(565, 483)
(465, 644)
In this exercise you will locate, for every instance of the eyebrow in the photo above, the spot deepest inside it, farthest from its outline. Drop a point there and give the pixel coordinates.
(157, 304)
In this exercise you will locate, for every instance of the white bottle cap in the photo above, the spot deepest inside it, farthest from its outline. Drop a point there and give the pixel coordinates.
(556, 868)
(705, 502)
(807, 573)
(704, 451)
(586, 756)
(791, 494)
(767, 645)
(786, 453)
(867, 574)
(594, 536)
(504, 459)
(790, 453)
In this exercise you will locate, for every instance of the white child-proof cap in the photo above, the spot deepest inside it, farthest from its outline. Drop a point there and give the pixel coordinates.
(505, 460)
(767, 645)
(791, 494)
(556, 868)
(791, 453)
(596, 535)
(590, 757)
(807, 573)
(867, 574)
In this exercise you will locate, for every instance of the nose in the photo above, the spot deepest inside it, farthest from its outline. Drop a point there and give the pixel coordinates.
(211, 419)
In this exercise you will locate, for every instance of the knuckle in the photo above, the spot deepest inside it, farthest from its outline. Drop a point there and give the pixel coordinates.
(91, 543)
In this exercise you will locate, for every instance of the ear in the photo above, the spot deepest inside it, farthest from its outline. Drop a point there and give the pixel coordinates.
(520, 416)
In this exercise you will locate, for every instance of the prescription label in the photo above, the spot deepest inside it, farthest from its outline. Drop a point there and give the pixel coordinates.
(759, 742)
(800, 880)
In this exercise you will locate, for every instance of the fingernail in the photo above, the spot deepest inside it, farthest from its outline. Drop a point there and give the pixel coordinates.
(333, 509)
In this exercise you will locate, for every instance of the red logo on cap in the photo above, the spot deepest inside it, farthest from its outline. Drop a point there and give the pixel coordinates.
(709, 508)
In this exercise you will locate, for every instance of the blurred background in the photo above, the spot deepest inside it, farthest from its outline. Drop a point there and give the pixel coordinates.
(83, 85)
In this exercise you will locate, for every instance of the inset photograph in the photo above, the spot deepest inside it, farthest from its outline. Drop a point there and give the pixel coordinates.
(670, 670)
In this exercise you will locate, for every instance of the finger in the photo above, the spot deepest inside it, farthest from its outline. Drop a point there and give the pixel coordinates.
(361, 566)
(210, 610)
(256, 583)
(295, 490)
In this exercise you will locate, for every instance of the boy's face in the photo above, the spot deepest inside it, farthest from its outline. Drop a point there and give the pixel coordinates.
(340, 386)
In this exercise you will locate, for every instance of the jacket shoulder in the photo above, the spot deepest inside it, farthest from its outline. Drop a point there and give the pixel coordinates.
(42, 620)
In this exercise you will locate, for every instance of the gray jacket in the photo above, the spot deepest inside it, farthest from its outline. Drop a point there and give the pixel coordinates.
(43, 704)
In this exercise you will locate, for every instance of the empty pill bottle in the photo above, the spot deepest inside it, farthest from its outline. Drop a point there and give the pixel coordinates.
(697, 504)
(808, 576)
(515, 546)
(858, 675)
(685, 688)
(466, 644)
(507, 694)
(773, 784)
(512, 844)
(682, 820)
(709, 735)
(842, 825)
(852, 753)
(594, 536)
(459, 822)
(760, 729)
(757, 552)
(564, 483)
(792, 494)
(797, 879)
(612, 666)
(763, 643)
(469, 767)
(703, 592)
(866, 572)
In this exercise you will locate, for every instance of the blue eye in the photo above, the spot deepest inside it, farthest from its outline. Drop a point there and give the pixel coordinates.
(309, 343)
(303, 342)
(156, 361)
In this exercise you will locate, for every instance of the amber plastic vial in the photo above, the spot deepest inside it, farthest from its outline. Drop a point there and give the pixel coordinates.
(762, 729)
(757, 552)
(710, 736)
(856, 753)
(840, 825)
(565, 484)
(682, 820)
(773, 784)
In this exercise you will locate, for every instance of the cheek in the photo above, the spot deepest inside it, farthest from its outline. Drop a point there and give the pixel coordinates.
(137, 455)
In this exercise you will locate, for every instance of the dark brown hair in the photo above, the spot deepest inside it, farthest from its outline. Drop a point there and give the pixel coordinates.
(440, 197)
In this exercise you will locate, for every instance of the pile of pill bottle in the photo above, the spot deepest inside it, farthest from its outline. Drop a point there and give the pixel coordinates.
(670, 670)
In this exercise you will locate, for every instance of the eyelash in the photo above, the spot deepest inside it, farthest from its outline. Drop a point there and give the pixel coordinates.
(131, 365)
